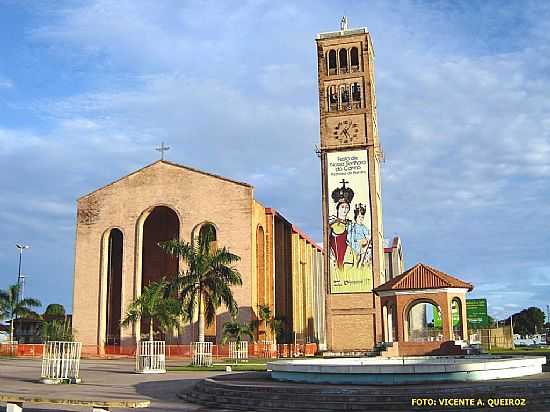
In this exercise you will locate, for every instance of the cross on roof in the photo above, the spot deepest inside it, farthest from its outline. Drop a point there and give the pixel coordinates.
(162, 149)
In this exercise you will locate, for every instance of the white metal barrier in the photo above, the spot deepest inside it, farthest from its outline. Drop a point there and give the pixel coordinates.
(202, 353)
(150, 357)
(61, 362)
(238, 352)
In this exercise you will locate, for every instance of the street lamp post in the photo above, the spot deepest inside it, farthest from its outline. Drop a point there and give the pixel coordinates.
(21, 247)
(512, 330)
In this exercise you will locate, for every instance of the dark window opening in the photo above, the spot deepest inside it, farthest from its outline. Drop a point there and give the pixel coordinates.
(356, 92)
(332, 62)
(343, 56)
(332, 98)
(345, 95)
(354, 59)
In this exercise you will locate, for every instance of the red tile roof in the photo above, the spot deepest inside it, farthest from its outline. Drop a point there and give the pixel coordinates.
(422, 276)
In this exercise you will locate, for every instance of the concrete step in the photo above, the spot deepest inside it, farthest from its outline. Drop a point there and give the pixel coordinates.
(298, 405)
(236, 397)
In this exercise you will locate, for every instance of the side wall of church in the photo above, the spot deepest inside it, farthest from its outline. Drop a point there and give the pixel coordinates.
(195, 197)
(262, 264)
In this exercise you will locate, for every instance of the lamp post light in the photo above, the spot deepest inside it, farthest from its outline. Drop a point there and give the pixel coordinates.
(21, 247)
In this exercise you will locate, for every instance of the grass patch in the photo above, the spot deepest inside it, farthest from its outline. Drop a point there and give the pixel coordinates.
(220, 367)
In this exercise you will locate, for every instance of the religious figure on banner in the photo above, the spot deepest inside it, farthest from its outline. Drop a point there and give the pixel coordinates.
(338, 238)
(359, 237)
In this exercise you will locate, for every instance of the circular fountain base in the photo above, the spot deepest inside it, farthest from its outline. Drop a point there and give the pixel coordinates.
(405, 370)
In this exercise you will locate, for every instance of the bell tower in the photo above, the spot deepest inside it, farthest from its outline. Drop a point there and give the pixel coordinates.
(352, 205)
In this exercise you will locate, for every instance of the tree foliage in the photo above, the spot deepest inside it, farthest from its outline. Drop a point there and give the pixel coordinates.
(54, 310)
(528, 322)
(12, 308)
(206, 283)
(155, 305)
(57, 330)
(237, 331)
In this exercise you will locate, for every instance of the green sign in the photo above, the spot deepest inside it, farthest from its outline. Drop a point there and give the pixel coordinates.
(476, 312)
(437, 317)
(455, 311)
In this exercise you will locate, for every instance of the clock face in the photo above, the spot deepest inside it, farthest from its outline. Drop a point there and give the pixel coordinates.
(346, 131)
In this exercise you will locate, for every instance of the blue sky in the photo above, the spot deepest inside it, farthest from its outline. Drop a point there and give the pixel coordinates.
(88, 89)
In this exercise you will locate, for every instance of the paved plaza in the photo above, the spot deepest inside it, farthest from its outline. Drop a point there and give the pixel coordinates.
(101, 380)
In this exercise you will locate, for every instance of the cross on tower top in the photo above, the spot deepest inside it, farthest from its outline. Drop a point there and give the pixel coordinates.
(162, 149)
(344, 23)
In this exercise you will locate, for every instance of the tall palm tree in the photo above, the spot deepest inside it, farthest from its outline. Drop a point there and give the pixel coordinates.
(12, 307)
(153, 304)
(206, 282)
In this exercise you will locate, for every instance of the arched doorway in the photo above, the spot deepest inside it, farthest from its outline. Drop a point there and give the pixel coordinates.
(160, 225)
(424, 322)
(114, 258)
(456, 316)
(389, 324)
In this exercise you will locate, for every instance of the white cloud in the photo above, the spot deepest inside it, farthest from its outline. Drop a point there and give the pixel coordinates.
(232, 88)
(6, 83)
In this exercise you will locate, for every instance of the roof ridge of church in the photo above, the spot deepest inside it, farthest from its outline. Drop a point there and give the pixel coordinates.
(170, 164)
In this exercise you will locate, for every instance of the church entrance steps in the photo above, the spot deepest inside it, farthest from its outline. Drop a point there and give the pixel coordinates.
(257, 392)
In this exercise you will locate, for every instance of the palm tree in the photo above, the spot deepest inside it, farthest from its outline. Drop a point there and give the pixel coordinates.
(237, 331)
(206, 282)
(12, 307)
(153, 304)
(264, 313)
(57, 330)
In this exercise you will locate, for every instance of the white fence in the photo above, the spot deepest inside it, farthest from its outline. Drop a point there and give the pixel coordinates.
(238, 352)
(150, 357)
(202, 353)
(61, 362)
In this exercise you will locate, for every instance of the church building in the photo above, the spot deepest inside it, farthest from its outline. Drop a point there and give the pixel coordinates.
(120, 225)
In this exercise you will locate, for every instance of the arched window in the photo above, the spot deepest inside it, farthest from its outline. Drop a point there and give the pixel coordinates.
(344, 97)
(356, 95)
(208, 236)
(332, 62)
(114, 287)
(456, 315)
(424, 322)
(260, 266)
(208, 241)
(332, 99)
(343, 57)
(354, 59)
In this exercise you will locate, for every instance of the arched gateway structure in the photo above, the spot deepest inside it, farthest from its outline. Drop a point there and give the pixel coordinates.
(424, 312)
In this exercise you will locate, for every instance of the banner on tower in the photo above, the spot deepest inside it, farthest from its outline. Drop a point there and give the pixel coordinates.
(349, 222)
